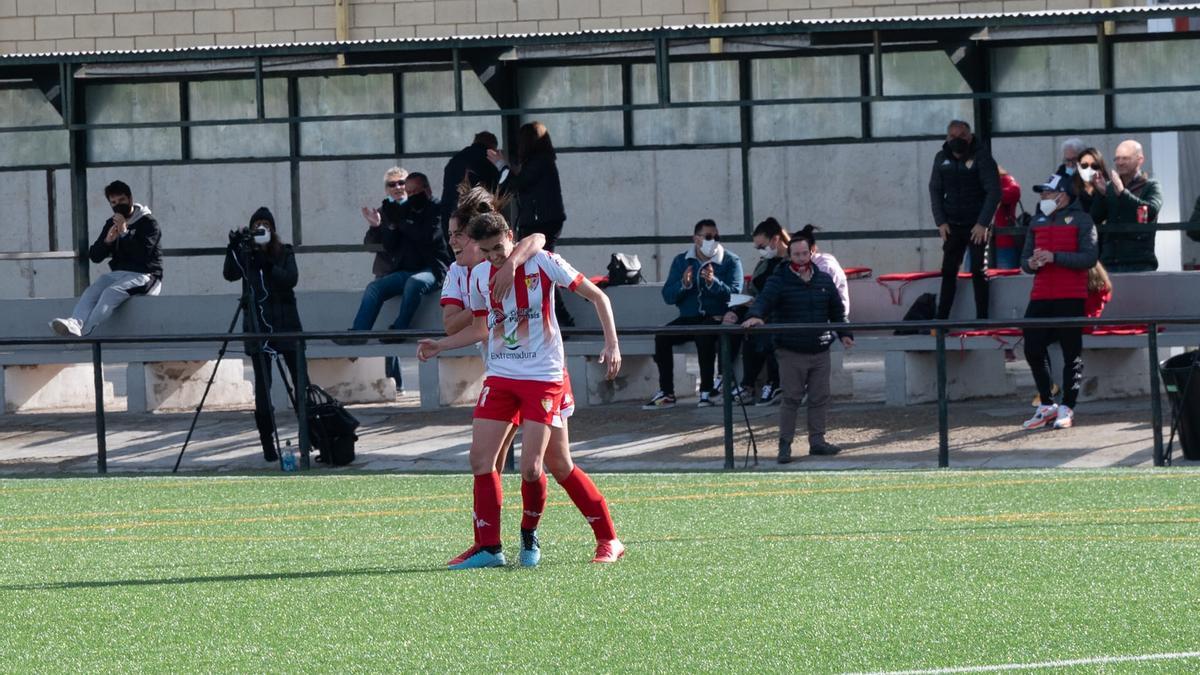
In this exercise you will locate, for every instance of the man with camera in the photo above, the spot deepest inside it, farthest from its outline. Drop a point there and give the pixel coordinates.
(412, 240)
(267, 269)
(131, 239)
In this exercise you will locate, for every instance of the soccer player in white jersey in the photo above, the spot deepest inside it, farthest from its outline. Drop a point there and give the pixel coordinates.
(524, 375)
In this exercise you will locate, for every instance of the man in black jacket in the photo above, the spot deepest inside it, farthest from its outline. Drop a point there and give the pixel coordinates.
(799, 292)
(412, 240)
(131, 239)
(964, 191)
(472, 165)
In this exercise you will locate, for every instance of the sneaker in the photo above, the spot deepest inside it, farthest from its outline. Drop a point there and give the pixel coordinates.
(742, 396)
(822, 448)
(785, 452)
(705, 400)
(771, 395)
(348, 340)
(717, 380)
(1054, 392)
(1065, 418)
(476, 559)
(531, 553)
(609, 551)
(462, 556)
(65, 327)
(661, 401)
(1046, 414)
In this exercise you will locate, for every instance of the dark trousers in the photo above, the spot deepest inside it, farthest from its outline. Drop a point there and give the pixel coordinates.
(551, 230)
(263, 364)
(1071, 341)
(706, 351)
(958, 241)
(759, 351)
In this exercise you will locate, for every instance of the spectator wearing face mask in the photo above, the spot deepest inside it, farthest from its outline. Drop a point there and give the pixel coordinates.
(1090, 163)
(416, 250)
(1059, 250)
(130, 241)
(699, 284)
(800, 292)
(964, 191)
(1124, 197)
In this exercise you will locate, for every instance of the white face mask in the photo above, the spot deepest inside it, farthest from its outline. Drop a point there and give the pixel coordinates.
(767, 252)
(708, 247)
(1087, 174)
(262, 237)
(1048, 206)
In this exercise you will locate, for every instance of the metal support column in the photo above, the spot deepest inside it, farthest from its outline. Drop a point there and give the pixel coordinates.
(727, 396)
(943, 403)
(98, 383)
(74, 101)
(1156, 417)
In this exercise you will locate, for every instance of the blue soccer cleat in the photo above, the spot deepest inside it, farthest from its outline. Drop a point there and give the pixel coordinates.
(531, 552)
(480, 558)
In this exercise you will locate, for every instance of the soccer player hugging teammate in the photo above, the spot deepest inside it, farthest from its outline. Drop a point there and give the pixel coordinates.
(524, 376)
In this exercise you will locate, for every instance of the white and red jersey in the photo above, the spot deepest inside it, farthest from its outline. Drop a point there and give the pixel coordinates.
(456, 289)
(524, 341)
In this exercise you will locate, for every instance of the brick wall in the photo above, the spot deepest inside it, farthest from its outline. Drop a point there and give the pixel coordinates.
(66, 25)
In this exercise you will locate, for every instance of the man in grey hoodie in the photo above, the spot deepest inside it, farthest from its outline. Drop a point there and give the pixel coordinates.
(131, 239)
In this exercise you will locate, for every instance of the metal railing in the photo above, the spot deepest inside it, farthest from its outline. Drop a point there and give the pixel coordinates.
(725, 334)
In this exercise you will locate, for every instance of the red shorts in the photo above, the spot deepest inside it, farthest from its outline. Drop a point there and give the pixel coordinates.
(506, 400)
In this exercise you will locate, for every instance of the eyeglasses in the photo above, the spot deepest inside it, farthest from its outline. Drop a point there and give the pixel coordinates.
(712, 237)
(1087, 165)
(394, 183)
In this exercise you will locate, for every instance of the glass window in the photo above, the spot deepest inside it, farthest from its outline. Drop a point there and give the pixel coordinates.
(818, 77)
(914, 73)
(1156, 64)
(1046, 68)
(118, 103)
(347, 95)
(573, 86)
(237, 99)
(690, 82)
(433, 91)
(28, 107)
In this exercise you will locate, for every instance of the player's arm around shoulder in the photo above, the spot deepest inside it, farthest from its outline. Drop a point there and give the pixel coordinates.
(611, 355)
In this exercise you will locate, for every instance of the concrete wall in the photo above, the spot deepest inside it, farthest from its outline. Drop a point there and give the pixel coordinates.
(66, 25)
(634, 193)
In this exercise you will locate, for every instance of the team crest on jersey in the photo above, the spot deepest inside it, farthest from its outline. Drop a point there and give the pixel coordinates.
(531, 283)
(547, 404)
(1069, 219)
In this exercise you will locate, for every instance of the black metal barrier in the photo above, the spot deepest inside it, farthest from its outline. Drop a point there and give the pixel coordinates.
(939, 329)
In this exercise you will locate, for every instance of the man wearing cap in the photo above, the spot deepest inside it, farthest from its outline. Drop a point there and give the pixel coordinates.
(1059, 250)
(964, 191)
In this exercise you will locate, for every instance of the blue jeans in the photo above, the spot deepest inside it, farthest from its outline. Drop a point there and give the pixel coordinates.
(1007, 258)
(412, 285)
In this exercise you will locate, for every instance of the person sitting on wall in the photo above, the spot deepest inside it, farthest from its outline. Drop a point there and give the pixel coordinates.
(130, 239)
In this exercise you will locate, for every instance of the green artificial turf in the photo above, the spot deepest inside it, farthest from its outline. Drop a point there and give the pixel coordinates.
(816, 572)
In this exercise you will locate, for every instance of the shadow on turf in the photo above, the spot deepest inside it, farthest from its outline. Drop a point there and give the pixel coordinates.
(178, 581)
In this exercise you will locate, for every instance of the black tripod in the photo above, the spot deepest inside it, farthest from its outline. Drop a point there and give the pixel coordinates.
(246, 303)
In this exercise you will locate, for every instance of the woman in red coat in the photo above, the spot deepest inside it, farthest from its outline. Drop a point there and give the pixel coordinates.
(1008, 249)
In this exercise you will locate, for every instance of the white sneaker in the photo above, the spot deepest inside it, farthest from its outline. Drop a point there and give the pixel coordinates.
(770, 395)
(1065, 418)
(705, 401)
(1045, 415)
(66, 327)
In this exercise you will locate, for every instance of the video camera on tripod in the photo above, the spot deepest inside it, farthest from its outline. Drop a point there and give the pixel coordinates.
(245, 238)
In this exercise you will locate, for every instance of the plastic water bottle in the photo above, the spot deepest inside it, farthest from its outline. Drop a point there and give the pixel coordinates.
(289, 457)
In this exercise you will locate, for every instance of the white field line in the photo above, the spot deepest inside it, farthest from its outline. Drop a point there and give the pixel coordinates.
(1096, 660)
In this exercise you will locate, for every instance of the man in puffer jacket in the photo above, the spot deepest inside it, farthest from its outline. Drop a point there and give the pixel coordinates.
(799, 292)
(1059, 250)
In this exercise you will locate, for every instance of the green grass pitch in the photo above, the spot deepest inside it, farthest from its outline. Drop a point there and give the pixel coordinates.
(802, 572)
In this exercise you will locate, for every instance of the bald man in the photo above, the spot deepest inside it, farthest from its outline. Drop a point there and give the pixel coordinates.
(1120, 195)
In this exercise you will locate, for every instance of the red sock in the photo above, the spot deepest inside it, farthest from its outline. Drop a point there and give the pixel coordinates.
(486, 515)
(533, 501)
(590, 503)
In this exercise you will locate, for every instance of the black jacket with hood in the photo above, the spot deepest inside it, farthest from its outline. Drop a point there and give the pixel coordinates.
(787, 298)
(539, 195)
(135, 251)
(272, 275)
(470, 164)
(412, 237)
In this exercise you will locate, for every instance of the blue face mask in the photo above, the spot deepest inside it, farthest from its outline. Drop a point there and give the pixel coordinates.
(1070, 171)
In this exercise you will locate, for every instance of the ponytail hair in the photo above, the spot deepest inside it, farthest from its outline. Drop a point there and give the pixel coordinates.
(475, 201)
(771, 228)
(806, 234)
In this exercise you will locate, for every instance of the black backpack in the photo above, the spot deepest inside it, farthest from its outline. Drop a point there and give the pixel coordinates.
(924, 308)
(624, 270)
(330, 427)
